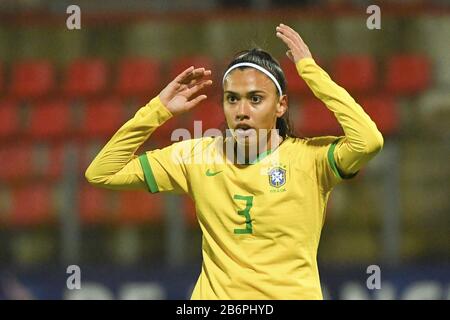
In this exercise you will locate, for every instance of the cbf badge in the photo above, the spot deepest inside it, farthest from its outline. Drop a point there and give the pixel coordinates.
(277, 177)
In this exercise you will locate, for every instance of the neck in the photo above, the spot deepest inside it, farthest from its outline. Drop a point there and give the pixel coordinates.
(246, 154)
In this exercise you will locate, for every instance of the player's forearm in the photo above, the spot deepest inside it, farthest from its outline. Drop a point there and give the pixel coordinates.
(362, 138)
(110, 166)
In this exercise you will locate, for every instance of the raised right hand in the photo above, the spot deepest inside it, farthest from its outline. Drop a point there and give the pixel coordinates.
(176, 97)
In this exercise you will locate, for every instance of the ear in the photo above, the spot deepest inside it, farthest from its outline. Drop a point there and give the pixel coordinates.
(282, 106)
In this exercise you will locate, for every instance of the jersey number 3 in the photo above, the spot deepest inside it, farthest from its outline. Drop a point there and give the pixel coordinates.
(246, 213)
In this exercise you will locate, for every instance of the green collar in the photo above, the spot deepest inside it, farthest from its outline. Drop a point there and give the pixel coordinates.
(261, 156)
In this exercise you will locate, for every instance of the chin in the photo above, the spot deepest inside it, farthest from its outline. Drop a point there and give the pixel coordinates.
(246, 142)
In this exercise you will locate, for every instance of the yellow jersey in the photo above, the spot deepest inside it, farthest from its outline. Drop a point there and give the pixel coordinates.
(261, 223)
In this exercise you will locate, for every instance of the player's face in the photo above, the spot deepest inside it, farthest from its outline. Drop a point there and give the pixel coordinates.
(251, 103)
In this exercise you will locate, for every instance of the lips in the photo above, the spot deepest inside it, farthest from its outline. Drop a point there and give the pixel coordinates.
(243, 129)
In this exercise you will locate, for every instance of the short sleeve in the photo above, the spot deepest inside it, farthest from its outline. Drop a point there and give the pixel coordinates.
(165, 170)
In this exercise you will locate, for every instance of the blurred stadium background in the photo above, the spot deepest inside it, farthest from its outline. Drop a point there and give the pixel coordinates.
(64, 92)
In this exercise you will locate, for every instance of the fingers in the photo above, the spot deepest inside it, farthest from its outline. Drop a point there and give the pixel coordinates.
(191, 74)
(195, 101)
(285, 31)
(291, 34)
(197, 87)
(194, 83)
(297, 47)
(287, 40)
(288, 31)
(184, 74)
(196, 74)
(185, 88)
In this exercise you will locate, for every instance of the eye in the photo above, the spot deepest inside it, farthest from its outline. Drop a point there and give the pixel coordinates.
(231, 99)
(256, 99)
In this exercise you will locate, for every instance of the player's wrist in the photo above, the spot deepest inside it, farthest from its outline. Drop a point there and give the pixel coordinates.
(156, 102)
(304, 63)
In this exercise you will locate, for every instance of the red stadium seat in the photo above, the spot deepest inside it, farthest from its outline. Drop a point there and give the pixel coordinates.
(296, 86)
(139, 207)
(86, 77)
(32, 205)
(95, 205)
(17, 162)
(32, 79)
(25, 161)
(87, 150)
(103, 117)
(382, 110)
(139, 77)
(9, 119)
(5, 206)
(48, 161)
(316, 119)
(189, 211)
(178, 65)
(357, 74)
(408, 74)
(2, 81)
(160, 139)
(162, 135)
(55, 163)
(210, 112)
(50, 120)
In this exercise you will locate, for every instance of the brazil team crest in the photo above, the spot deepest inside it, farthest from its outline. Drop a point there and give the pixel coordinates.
(277, 177)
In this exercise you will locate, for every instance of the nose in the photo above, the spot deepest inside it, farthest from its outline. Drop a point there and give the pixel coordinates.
(242, 111)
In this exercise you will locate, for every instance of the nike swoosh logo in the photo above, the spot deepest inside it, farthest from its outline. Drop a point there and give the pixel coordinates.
(210, 174)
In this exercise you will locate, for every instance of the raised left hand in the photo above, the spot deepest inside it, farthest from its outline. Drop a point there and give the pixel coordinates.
(297, 48)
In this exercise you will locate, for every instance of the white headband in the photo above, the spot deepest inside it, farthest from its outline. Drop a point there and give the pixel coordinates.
(249, 64)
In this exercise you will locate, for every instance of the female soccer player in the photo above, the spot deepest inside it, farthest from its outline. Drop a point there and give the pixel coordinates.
(261, 218)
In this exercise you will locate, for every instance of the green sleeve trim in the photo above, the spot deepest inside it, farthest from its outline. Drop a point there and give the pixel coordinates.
(148, 174)
(333, 164)
(331, 160)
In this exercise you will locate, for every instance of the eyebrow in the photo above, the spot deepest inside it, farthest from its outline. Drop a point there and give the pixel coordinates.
(250, 92)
